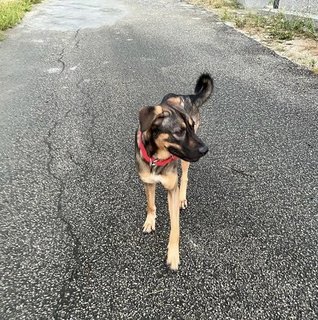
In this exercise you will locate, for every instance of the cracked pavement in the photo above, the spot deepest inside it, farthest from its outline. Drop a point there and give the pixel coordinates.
(72, 207)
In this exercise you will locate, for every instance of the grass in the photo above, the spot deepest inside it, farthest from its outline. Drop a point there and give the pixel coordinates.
(278, 26)
(293, 37)
(12, 12)
(217, 4)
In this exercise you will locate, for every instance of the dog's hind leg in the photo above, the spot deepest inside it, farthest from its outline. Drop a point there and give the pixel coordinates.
(150, 223)
(184, 184)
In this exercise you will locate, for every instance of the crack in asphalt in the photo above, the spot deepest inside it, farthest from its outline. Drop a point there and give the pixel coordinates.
(71, 271)
(67, 291)
(76, 254)
(60, 58)
(61, 61)
(75, 38)
(85, 168)
(243, 173)
(48, 142)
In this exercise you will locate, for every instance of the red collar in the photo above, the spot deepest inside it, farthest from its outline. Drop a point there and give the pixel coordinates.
(152, 160)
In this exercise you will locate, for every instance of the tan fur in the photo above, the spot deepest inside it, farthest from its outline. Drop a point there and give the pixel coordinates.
(176, 197)
(158, 110)
(150, 223)
(175, 101)
(163, 145)
(173, 258)
(184, 184)
(169, 180)
(161, 142)
(184, 112)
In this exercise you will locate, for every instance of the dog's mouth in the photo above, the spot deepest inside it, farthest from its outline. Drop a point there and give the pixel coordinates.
(189, 155)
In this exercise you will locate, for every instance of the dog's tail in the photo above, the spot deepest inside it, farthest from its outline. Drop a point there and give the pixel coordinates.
(203, 90)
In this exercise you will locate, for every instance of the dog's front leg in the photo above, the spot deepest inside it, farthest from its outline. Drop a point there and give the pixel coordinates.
(184, 184)
(150, 223)
(173, 259)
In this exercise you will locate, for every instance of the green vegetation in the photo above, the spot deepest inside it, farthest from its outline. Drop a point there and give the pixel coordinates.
(278, 26)
(293, 37)
(313, 65)
(217, 4)
(12, 12)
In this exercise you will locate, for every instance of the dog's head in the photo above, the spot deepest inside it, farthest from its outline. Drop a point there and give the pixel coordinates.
(172, 129)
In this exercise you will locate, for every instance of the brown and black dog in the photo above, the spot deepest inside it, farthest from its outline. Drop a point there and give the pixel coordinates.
(166, 133)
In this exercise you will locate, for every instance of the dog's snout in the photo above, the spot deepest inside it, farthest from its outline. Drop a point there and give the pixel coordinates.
(203, 150)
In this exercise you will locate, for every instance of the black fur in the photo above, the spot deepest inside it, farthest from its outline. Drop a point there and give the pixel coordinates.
(203, 90)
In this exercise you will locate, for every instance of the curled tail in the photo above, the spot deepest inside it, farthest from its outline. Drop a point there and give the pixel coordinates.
(203, 90)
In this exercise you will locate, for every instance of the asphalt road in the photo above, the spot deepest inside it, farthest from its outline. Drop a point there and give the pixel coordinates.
(72, 207)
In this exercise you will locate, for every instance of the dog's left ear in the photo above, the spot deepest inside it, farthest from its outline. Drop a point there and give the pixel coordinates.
(147, 115)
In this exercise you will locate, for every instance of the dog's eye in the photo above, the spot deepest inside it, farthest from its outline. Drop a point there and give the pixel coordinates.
(179, 132)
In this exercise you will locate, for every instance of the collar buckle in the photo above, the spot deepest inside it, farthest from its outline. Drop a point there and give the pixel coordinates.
(152, 162)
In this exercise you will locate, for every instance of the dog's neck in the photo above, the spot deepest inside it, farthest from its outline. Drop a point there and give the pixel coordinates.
(152, 149)
(150, 145)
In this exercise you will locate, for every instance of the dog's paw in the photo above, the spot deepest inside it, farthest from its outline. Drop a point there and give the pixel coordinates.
(173, 259)
(150, 224)
(183, 204)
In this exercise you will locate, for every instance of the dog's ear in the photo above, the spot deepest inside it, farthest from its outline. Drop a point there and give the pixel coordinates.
(147, 116)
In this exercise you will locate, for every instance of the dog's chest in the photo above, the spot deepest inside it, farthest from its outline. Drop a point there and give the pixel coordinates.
(169, 179)
(151, 177)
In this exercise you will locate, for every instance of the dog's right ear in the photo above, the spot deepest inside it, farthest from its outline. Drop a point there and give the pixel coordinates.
(147, 116)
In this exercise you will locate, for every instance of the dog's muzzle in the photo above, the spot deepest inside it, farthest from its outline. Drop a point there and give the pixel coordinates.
(203, 150)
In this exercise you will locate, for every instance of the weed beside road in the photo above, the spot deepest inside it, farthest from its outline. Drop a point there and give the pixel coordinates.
(12, 12)
(278, 26)
(217, 4)
(293, 37)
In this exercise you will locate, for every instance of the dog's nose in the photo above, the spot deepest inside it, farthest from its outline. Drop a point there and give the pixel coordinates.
(203, 150)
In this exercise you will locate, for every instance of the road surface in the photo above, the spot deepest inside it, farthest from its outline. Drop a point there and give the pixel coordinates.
(72, 77)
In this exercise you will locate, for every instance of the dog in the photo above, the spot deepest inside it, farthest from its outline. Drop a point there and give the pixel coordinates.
(166, 133)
